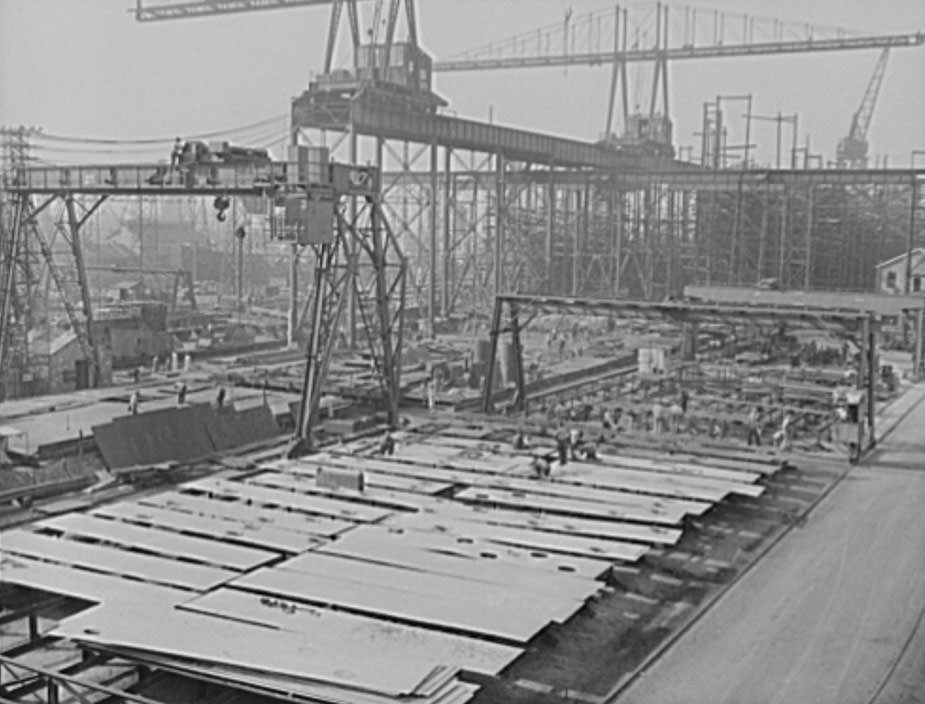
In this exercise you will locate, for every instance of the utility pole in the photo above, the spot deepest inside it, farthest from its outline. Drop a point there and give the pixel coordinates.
(781, 119)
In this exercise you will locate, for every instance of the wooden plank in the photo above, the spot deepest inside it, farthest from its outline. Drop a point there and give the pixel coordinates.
(362, 637)
(82, 584)
(657, 512)
(207, 526)
(114, 561)
(471, 557)
(390, 601)
(211, 552)
(263, 496)
(255, 648)
(281, 518)
(525, 538)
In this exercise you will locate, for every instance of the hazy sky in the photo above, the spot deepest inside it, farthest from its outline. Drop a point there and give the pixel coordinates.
(85, 68)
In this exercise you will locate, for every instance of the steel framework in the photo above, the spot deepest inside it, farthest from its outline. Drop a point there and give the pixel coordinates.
(514, 312)
(378, 288)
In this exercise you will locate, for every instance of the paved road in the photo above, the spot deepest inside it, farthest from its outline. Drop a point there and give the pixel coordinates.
(829, 614)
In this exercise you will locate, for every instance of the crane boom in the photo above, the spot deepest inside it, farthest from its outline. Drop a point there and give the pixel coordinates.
(852, 149)
(594, 58)
(860, 121)
(208, 8)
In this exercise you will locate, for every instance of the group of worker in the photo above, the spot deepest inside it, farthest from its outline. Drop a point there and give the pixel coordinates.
(134, 401)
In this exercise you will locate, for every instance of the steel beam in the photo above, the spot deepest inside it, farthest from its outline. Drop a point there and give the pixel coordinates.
(459, 133)
(600, 58)
(208, 8)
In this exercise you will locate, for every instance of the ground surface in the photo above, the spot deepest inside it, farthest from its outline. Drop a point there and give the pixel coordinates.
(832, 613)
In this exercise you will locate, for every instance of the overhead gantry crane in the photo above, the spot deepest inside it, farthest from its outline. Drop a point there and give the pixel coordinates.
(320, 215)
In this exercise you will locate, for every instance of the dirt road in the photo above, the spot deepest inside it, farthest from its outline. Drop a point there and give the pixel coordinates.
(830, 613)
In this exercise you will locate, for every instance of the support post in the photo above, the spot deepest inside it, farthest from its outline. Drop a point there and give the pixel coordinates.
(808, 273)
(550, 226)
(863, 373)
(293, 316)
(910, 239)
(432, 244)
(352, 249)
(872, 372)
(445, 301)
(499, 224)
(517, 351)
(84, 285)
(919, 331)
(495, 333)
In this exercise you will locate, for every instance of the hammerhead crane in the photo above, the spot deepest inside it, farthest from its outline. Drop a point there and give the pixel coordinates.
(852, 150)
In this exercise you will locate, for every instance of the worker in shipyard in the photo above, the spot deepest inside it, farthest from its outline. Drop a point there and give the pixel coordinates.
(754, 427)
(176, 154)
(562, 438)
(133, 403)
(657, 417)
(220, 397)
(387, 444)
(521, 441)
(181, 393)
(783, 436)
(575, 437)
(676, 416)
(541, 467)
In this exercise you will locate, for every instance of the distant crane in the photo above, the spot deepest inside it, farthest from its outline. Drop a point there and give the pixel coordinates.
(852, 150)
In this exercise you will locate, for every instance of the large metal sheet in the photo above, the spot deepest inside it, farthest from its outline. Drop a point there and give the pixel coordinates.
(114, 561)
(173, 434)
(470, 556)
(256, 648)
(383, 499)
(667, 465)
(545, 543)
(83, 584)
(263, 496)
(448, 475)
(609, 478)
(161, 542)
(670, 465)
(362, 637)
(229, 428)
(237, 512)
(568, 525)
(242, 533)
(374, 478)
(660, 512)
(462, 592)
(454, 457)
(392, 600)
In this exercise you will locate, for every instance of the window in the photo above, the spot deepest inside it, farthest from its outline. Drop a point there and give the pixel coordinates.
(891, 279)
(916, 284)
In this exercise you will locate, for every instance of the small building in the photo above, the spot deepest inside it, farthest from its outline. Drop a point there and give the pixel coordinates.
(891, 274)
(60, 364)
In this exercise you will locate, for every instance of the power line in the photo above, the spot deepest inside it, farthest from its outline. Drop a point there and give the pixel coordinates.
(160, 140)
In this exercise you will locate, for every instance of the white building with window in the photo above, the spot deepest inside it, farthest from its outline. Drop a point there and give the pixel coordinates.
(891, 274)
